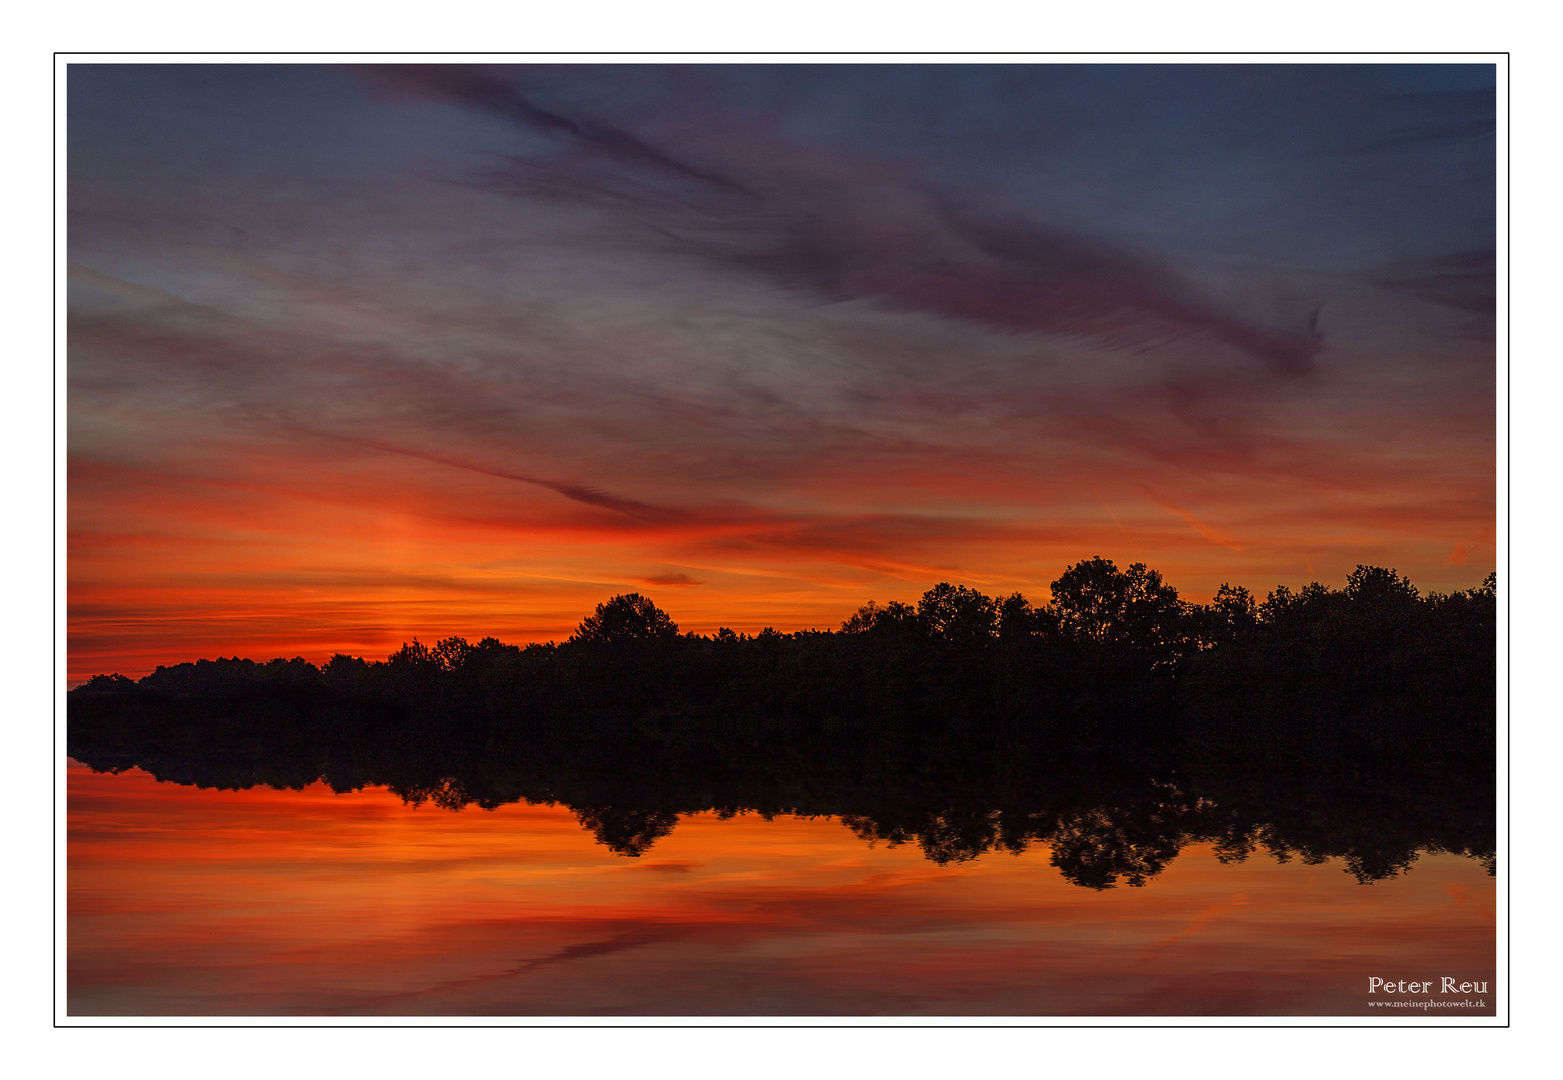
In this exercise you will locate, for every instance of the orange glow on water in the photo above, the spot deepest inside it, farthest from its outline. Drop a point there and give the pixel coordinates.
(184, 901)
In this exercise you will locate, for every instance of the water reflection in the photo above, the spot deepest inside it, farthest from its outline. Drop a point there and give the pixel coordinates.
(1113, 810)
(189, 901)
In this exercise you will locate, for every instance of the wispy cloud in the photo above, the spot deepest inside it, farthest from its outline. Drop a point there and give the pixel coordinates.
(677, 579)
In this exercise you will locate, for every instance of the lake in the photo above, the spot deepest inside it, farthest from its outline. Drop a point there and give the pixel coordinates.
(187, 900)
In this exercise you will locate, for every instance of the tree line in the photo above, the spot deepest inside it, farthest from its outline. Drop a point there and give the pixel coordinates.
(1110, 640)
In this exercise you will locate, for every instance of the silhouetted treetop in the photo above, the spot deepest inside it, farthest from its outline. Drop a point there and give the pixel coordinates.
(628, 617)
(1096, 602)
(224, 674)
(957, 614)
(886, 619)
(1376, 585)
(109, 684)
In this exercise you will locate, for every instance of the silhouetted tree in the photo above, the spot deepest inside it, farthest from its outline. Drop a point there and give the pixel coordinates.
(451, 653)
(629, 617)
(1380, 587)
(1100, 604)
(108, 684)
(412, 655)
(894, 617)
(958, 615)
(1231, 616)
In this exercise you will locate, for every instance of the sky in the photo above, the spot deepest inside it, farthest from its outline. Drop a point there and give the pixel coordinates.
(359, 354)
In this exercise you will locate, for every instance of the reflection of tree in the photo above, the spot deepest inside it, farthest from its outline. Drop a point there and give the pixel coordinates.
(627, 832)
(1096, 848)
(956, 796)
(948, 836)
(448, 794)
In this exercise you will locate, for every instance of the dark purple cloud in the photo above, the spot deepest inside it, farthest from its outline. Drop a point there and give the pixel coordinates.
(473, 87)
(845, 229)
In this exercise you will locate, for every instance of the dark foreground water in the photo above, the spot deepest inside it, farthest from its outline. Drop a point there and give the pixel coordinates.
(193, 901)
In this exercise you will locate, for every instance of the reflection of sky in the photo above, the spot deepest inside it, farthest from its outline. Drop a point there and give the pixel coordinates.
(362, 354)
(185, 901)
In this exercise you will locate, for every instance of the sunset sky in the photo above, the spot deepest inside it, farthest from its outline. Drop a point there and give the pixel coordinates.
(362, 354)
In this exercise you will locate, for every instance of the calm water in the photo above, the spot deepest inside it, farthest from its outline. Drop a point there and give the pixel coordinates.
(190, 901)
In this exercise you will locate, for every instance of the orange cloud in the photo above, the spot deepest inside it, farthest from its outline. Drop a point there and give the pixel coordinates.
(1213, 535)
(1462, 551)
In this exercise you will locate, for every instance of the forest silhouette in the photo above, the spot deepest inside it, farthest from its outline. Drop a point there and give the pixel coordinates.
(1115, 724)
